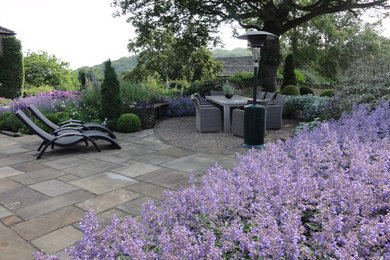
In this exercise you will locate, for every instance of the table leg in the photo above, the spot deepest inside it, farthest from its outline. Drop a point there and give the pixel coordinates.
(226, 119)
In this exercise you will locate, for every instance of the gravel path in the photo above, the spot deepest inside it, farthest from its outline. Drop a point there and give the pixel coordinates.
(181, 132)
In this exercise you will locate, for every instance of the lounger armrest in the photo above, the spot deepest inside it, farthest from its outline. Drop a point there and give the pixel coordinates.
(59, 130)
(69, 134)
(73, 121)
(71, 125)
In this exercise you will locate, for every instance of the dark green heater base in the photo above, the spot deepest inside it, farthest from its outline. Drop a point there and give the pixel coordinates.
(254, 127)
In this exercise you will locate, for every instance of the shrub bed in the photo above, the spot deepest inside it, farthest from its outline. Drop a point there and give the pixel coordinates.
(306, 107)
(321, 195)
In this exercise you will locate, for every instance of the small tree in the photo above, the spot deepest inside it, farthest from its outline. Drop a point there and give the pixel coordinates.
(111, 104)
(11, 68)
(288, 72)
(82, 79)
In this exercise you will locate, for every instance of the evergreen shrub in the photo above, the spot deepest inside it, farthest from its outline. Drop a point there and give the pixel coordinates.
(304, 90)
(127, 123)
(290, 90)
(289, 72)
(11, 68)
(327, 93)
(110, 93)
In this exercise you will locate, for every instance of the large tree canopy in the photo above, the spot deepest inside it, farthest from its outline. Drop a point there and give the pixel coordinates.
(44, 69)
(202, 19)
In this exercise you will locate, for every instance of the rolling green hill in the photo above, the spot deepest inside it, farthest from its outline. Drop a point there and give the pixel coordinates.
(128, 63)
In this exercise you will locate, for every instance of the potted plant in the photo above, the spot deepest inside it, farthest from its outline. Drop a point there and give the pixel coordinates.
(228, 89)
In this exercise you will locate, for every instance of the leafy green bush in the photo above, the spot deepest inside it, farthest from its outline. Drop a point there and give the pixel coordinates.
(304, 90)
(367, 81)
(290, 90)
(90, 104)
(289, 72)
(110, 95)
(300, 77)
(179, 85)
(11, 68)
(32, 91)
(305, 108)
(131, 92)
(54, 118)
(204, 87)
(127, 123)
(239, 77)
(314, 80)
(242, 82)
(9, 122)
(327, 93)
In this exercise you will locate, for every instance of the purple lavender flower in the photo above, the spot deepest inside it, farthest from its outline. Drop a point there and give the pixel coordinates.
(322, 194)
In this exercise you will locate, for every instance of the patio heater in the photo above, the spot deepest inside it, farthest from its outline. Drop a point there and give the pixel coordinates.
(254, 115)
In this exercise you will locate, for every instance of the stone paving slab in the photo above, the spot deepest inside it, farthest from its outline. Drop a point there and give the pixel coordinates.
(171, 180)
(7, 184)
(103, 182)
(13, 246)
(108, 200)
(4, 212)
(58, 240)
(38, 176)
(64, 163)
(42, 225)
(11, 160)
(46, 206)
(29, 167)
(136, 169)
(189, 163)
(88, 169)
(53, 188)
(8, 221)
(134, 207)
(8, 171)
(148, 189)
(21, 197)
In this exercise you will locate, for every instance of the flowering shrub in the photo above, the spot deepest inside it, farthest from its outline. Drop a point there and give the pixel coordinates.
(181, 106)
(324, 194)
(47, 102)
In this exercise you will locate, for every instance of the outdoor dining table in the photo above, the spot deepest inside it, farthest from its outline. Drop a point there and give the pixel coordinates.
(235, 101)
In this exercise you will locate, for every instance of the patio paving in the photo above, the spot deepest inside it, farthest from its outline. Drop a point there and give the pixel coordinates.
(42, 201)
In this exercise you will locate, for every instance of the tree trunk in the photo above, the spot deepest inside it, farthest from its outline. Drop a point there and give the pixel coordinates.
(269, 63)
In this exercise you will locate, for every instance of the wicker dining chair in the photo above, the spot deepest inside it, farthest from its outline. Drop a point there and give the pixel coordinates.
(274, 112)
(208, 118)
(238, 118)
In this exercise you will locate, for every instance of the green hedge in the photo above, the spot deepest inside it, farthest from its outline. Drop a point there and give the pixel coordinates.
(11, 68)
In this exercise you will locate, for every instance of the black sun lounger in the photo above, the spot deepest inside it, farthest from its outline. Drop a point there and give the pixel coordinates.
(69, 124)
(66, 139)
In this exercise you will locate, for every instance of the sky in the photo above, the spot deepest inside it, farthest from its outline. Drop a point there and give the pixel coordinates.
(81, 32)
